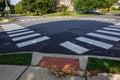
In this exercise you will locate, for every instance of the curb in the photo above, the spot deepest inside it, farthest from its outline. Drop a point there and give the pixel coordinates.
(37, 56)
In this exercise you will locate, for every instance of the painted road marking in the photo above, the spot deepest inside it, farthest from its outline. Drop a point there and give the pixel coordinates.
(26, 43)
(10, 32)
(118, 24)
(105, 19)
(12, 25)
(104, 36)
(22, 20)
(25, 37)
(9, 27)
(22, 34)
(33, 19)
(108, 32)
(114, 26)
(99, 19)
(18, 34)
(28, 19)
(73, 47)
(113, 29)
(112, 20)
(94, 42)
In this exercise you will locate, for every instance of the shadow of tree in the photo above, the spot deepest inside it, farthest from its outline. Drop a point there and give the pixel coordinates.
(59, 32)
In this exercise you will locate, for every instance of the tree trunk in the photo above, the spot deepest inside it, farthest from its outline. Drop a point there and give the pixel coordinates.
(108, 9)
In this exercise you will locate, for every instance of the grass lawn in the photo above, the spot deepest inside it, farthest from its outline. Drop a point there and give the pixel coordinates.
(16, 59)
(0, 19)
(69, 14)
(103, 65)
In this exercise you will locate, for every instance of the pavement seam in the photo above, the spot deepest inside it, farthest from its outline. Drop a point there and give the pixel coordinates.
(22, 73)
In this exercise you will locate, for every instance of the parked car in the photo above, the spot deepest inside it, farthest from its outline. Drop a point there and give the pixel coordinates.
(2, 14)
(87, 11)
(97, 11)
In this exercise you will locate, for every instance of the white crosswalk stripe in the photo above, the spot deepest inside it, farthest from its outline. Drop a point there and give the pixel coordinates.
(10, 32)
(118, 24)
(26, 43)
(113, 29)
(22, 20)
(104, 36)
(108, 32)
(28, 19)
(73, 47)
(99, 19)
(33, 19)
(25, 37)
(95, 42)
(10, 27)
(105, 19)
(112, 19)
(114, 26)
(18, 34)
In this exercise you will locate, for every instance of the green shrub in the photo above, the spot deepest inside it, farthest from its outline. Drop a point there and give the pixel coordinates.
(69, 11)
(0, 19)
(103, 65)
(31, 14)
(63, 10)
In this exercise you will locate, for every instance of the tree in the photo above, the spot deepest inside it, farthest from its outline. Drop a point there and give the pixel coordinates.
(18, 8)
(28, 5)
(42, 6)
(39, 6)
(53, 5)
(108, 3)
(92, 4)
(63, 9)
(2, 5)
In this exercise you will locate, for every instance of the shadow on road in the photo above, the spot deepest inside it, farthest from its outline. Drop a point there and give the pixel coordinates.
(59, 32)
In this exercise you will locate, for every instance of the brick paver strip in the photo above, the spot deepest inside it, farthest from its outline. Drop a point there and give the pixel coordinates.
(59, 63)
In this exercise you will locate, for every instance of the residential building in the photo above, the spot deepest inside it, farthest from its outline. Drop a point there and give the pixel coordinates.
(118, 1)
(67, 3)
(116, 5)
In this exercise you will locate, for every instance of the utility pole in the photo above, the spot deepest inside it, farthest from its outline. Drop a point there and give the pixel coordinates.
(7, 8)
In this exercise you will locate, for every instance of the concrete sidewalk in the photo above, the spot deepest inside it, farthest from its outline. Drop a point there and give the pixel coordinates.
(33, 72)
(105, 76)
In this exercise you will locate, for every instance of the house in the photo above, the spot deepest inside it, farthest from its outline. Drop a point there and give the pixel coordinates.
(118, 1)
(67, 3)
(116, 5)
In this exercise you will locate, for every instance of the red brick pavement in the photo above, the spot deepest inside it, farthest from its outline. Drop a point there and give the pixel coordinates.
(59, 63)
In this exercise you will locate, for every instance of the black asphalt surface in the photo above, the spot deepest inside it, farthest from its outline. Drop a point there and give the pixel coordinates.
(60, 31)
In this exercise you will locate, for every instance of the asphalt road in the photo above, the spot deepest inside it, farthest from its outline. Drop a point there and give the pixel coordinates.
(96, 35)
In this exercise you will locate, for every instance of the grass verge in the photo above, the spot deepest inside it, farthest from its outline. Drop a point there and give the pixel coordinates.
(16, 59)
(0, 19)
(103, 65)
(59, 14)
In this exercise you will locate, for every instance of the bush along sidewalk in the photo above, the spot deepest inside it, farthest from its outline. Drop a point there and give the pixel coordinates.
(103, 65)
